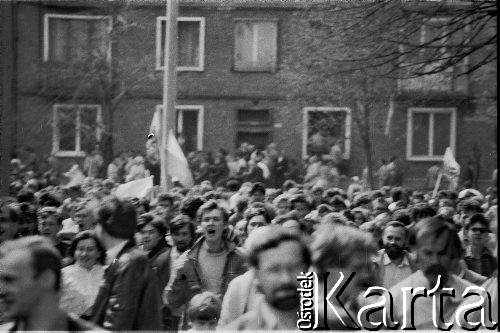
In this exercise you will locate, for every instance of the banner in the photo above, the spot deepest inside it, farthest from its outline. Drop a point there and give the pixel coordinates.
(139, 188)
(177, 164)
(451, 169)
(155, 126)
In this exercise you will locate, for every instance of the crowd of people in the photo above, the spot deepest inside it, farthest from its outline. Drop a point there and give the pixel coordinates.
(226, 253)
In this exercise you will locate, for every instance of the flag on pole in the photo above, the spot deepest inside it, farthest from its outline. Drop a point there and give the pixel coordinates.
(155, 126)
(177, 164)
(139, 188)
(450, 165)
(451, 169)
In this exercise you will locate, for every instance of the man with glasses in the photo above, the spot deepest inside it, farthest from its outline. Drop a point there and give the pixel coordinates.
(477, 255)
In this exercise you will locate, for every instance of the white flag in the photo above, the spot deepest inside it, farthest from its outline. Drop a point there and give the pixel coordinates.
(139, 188)
(451, 169)
(450, 165)
(177, 164)
(155, 126)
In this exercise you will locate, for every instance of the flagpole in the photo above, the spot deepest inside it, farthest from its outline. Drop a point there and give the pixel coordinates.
(169, 87)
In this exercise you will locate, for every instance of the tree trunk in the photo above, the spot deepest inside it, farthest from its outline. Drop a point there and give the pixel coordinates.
(364, 125)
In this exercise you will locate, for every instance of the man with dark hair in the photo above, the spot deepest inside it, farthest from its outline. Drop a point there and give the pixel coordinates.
(211, 263)
(190, 205)
(182, 232)
(30, 281)
(438, 250)
(9, 221)
(49, 225)
(300, 204)
(165, 206)
(277, 256)
(130, 296)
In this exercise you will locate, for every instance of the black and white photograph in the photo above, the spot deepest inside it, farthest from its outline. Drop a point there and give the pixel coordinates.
(248, 165)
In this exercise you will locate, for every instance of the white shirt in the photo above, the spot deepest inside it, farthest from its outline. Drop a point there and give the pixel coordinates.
(80, 287)
(393, 274)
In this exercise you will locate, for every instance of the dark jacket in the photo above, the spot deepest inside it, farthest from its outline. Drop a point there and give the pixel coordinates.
(187, 281)
(129, 299)
(159, 258)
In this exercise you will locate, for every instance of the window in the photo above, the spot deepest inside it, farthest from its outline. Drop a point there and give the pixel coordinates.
(255, 44)
(430, 131)
(434, 43)
(254, 127)
(68, 38)
(190, 43)
(76, 128)
(189, 126)
(324, 127)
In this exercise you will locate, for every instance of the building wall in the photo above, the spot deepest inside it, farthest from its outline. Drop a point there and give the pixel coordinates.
(222, 91)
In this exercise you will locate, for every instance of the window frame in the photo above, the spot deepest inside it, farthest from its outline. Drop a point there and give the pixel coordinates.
(409, 132)
(46, 40)
(348, 124)
(200, 119)
(201, 42)
(422, 39)
(254, 69)
(78, 152)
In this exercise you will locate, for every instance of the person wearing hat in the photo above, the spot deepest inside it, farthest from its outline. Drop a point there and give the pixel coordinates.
(130, 296)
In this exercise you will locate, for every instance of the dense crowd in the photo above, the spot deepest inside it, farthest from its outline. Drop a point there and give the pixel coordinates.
(226, 253)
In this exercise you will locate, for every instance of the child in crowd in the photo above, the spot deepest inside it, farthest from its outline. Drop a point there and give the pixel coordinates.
(204, 312)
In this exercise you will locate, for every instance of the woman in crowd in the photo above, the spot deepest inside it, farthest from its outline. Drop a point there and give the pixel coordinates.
(81, 281)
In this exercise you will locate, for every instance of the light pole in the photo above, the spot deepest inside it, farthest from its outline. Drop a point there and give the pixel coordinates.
(169, 87)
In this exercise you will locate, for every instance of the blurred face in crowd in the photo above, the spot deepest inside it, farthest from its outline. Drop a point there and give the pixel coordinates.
(8, 229)
(277, 274)
(258, 196)
(213, 225)
(86, 253)
(282, 208)
(359, 218)
(182, 238)
(393, 239)
(360, 263)
(27, 226)
(317, 196)
(378, 208)
(302, 209)
(48, 225)
(164, 208)
(292, 224)
(150, 237)
(85, 219)
(20, 290)
(435, 258)
(478, 234)
(240, 229)
(255, 222)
